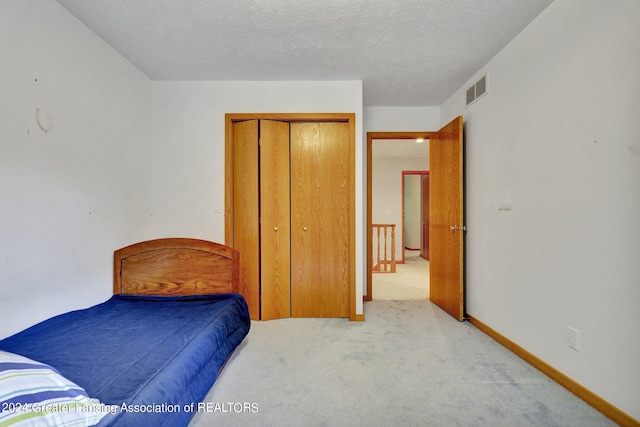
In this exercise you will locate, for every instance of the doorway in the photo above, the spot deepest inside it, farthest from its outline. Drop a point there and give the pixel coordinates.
(391, 142)
(446, 214)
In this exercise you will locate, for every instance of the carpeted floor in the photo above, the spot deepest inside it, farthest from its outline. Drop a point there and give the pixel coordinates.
(407, 364)
(409, 282)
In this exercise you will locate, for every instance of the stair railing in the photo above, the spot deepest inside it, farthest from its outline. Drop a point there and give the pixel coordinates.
(385, 254)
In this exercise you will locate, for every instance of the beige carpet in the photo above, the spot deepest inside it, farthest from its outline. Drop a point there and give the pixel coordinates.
(410, 282)
(409, 364)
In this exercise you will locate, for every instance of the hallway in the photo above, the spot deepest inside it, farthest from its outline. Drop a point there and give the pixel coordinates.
(410, 282)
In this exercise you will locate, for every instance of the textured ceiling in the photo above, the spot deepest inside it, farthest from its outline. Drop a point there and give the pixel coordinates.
(406, 52)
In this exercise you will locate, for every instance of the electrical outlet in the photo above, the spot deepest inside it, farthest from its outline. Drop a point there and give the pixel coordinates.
(574, 339)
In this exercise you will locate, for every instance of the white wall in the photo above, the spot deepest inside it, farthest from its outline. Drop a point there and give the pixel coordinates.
(557, 140)
(72, 195)
(401, 119)
(189, 131)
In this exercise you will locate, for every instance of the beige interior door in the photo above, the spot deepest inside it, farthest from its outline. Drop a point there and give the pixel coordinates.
(446, 215)
(275, 251)
(246, 233)
(320, 219)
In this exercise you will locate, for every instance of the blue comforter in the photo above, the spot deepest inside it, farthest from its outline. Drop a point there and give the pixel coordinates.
(141, 351)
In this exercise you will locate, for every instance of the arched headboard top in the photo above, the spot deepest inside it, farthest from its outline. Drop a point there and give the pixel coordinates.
(175, 266)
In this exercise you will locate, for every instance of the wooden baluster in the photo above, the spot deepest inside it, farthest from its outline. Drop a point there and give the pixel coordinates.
(378, 250)
(385, 248)
(393, 248)
(385, 264)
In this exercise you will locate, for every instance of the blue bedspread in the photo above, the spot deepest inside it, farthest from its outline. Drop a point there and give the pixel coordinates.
(141, 351)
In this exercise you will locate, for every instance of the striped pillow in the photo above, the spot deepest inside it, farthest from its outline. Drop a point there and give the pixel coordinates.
(35, 394)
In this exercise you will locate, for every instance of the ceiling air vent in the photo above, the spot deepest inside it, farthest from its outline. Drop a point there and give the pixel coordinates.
(476, 91)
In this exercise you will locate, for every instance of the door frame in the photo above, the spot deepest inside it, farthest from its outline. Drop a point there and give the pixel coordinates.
(371, 136)
(350, 118)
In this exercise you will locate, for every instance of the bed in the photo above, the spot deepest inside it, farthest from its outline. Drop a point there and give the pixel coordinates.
(146, 356)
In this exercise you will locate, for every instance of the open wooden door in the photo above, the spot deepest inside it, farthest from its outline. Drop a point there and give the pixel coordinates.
(446, 216)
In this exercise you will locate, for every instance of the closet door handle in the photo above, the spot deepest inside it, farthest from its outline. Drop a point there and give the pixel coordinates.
(275, 228)
(304, 228)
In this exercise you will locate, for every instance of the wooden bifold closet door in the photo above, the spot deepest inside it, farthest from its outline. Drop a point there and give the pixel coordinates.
(275, 220)
(292, 210)
(320, 220)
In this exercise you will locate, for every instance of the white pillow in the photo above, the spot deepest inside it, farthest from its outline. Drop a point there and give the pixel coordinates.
(35, 394)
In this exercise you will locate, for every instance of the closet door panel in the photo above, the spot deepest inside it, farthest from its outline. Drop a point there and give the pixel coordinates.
(320, 195)
(246, 211)
(274, 220)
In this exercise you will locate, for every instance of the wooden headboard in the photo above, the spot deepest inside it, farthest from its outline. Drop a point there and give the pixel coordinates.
(175, 267)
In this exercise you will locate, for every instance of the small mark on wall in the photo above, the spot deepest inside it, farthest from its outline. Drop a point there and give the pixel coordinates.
(44, 120)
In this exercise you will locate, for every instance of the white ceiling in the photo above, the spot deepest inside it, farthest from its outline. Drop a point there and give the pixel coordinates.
(406, 52)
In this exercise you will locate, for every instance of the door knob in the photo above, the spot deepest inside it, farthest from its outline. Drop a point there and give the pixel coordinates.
(304, 228)
(275, 228)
